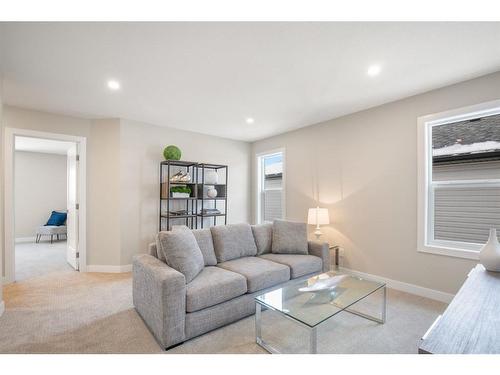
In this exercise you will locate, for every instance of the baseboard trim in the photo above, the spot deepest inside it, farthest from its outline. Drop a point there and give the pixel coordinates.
(25, 239)
(2, 307)
(436, 295)
(109, 269)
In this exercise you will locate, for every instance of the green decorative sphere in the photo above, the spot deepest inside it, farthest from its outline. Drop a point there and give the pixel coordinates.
(172, 153)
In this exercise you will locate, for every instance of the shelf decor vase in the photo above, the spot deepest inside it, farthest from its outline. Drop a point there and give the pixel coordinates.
(212, 192)
(211, 177)
(489, 256)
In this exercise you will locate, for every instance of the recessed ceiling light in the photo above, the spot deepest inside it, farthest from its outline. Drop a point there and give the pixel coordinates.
(374, 70)
(113, 85)
(250, 120)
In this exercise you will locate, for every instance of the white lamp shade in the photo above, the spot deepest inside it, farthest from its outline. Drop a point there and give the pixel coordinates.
(318, 216)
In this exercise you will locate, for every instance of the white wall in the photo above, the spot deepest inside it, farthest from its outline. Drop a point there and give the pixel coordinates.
(39, 188)
(141, 152)
(1, 198)
(364, 168)
(103, 193)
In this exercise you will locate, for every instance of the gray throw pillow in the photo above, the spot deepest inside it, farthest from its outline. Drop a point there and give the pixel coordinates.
(289, 237)
(233, 241)
(181, 252)
(204, 239)
(263, 235)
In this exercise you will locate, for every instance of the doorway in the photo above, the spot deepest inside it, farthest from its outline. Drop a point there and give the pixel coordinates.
(44, 204)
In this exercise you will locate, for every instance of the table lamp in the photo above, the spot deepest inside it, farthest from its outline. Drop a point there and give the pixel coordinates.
(318, 216)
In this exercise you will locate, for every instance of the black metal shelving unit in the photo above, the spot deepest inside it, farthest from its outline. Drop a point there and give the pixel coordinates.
(197, 201)
(221, 193)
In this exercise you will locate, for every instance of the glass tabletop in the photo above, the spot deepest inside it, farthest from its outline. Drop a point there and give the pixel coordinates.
(318, 298)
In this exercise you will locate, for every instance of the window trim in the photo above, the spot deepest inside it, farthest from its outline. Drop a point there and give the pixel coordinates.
(259, 157)
(424, 179)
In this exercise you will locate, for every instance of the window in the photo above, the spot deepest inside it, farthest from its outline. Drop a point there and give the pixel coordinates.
(271, 196)
(459, 180)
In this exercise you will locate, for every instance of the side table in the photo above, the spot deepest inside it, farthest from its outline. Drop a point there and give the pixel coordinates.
(336, 249)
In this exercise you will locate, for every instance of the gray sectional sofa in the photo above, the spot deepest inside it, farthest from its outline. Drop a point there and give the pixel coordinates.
(238, 262)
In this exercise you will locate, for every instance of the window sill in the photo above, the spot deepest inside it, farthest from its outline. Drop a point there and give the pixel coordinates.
(450, 251)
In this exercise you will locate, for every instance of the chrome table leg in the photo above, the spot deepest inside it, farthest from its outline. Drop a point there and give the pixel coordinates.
(313, 341)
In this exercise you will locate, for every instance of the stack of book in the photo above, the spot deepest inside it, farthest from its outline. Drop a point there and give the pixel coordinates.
(178, 212)
(210, 211)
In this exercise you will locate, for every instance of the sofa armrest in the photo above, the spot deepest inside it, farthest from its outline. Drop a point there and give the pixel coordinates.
(322, 250)
(159, 295)
(152, 250)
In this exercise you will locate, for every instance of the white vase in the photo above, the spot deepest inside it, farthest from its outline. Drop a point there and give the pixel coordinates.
(212, 193)
(211, 177)
(489, 256)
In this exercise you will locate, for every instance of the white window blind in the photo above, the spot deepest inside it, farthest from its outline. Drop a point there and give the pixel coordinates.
(464, 193)
(271, 186)
(272, 204)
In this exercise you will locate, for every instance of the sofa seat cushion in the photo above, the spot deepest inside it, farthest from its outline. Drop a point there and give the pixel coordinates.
(300, 265)
(52, 229)
(260, 273)
(212, 286)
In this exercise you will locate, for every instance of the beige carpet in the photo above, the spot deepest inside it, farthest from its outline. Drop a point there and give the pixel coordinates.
(37, 259)
(71, 312)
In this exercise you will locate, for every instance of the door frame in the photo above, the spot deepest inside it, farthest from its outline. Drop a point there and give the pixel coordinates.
(9, 218)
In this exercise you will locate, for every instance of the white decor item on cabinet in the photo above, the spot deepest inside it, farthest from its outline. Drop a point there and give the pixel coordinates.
(489, 256)
(212, 192)
(211, 177)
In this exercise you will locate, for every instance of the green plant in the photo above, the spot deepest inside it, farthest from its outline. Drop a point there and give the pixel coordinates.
(172, 153)
(180, 189)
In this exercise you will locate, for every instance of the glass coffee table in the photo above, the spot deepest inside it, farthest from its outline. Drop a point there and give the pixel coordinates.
(312, 301)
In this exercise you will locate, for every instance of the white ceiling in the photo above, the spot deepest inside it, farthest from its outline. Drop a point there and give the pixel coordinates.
(209, 77)
(47, 146)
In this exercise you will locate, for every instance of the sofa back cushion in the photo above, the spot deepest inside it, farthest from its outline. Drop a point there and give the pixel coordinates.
(204, 240)
(263, 235)
(233, 241)
(289, 237)
(181, 252)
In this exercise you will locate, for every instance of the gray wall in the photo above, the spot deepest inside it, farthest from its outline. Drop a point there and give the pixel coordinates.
(363, 168)
(39, 187)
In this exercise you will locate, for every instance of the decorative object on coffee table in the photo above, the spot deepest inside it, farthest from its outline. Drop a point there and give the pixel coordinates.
(172, 153)
(489, 256)
(318, 216)
(323, 283)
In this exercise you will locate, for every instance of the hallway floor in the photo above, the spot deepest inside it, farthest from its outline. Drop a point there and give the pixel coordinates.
(38, 259)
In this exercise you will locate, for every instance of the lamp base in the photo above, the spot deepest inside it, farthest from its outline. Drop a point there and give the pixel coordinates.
(317, 233)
